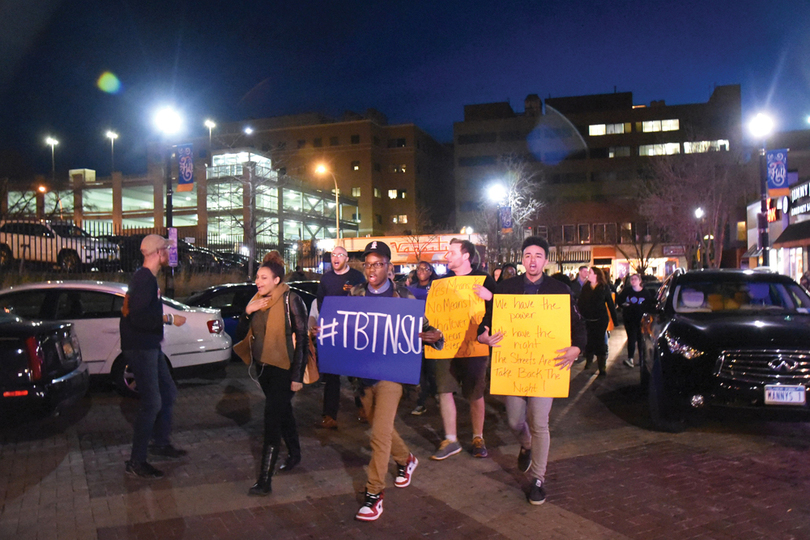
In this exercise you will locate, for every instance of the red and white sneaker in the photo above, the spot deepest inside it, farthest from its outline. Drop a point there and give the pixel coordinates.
(405, 472)
(372, 509)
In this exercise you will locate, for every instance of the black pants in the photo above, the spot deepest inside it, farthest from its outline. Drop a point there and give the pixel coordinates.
(596, 346)
(279, 421)
(633, 330)
(427, 382)
(331, 395)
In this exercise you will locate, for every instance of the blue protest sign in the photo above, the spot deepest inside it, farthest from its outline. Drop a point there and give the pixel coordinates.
(371, 338)
(419, 294)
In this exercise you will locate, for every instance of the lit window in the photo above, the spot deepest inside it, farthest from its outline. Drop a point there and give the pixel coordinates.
(398, 168)
(355, 165)
(667, 149)
(355, 192)
(618, 128)
(596, 129)
(700, 147)
(670, 125)
(651, 125)
(618, 151)
(402, 193)
(377, 193)
(392, 194)
(402, 218)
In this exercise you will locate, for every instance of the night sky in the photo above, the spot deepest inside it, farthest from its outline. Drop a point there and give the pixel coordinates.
(414, 61)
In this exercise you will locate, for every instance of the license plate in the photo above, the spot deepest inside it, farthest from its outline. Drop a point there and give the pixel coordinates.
(784, 395)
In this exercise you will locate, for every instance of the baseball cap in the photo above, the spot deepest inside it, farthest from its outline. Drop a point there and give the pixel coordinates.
(152, 243)
(380, 248)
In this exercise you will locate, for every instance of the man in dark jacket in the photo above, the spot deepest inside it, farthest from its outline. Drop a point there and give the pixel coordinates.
(534, 435)
(141, 330)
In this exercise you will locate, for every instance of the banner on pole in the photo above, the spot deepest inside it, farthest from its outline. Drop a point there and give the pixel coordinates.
(371, 338)
(185, 167)
(777, 161)
(505, 219)
(534, 327)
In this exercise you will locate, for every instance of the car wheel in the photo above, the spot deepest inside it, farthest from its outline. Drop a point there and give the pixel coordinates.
(69, 261)
(5, 257)
(664, 414)
(123, 378)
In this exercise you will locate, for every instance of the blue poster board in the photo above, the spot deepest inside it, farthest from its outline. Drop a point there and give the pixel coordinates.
(371, 338)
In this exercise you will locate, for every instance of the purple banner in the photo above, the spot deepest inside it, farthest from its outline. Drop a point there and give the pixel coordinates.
(371, 338)
(777, 168)
(185, 167)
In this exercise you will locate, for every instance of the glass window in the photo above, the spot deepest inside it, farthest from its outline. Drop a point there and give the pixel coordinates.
(392, 194)
(651, 125)
(666, 149)
(626, 233)
(355, 139)
(377, 167)
(400, 218)
(88, 305)
(569, 234)
(619, 151)
(377, 193)
(27, 304)
(334, 141)
(355, 192)
(399, 168)
(595, 130)
(584, 230)
(355, 165)
(670, 125)
(402, 193)
(317, 143)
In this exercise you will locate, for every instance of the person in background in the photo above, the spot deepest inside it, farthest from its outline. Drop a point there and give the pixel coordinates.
(634, 301)
(425, 274)
(596, 305)
(508, 271)
(336, 282)
(496, 274)
(298, 275)
(579, 282)
(141, 329)
(275, 324)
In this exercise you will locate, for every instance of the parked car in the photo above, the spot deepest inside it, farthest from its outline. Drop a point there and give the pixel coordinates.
(189, 256)
(726, 337)
(55, 244)
(41, 368)
(94, 308)
(232, 298)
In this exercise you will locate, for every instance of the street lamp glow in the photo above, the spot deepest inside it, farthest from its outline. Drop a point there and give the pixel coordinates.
(42, 189)
(761, 126)
(112, 136)
(248, 130)
(699, 213)
(496, 193)
(210, 124)
(50, 141)
(168, 121)
(321, 170)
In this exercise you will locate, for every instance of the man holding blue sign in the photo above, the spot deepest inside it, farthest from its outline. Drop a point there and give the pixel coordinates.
(381, 398)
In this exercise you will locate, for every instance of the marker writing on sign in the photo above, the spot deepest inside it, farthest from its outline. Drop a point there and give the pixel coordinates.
(400, 333)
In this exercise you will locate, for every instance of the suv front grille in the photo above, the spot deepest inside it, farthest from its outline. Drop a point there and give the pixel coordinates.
(765, 366)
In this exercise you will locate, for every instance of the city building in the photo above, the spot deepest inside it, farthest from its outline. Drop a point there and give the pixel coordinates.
(586, 153)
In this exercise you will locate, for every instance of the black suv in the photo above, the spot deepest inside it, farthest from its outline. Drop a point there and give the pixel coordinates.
(726, 337)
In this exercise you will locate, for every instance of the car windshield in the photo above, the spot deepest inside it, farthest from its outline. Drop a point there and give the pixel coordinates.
(175, 304)
(70, 231)
(732, 295)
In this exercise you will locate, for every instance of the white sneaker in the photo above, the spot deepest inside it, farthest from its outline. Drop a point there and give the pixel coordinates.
(628, 362)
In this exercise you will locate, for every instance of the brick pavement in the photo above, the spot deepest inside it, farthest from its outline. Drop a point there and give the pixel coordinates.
(609, 476)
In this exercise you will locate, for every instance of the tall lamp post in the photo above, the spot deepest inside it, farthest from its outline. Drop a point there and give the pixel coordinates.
(50, 141)
(321, 170)
(210, 125)
(168, 122)
(699, 213)
(497, 194)
(112, 136)
(760, 127)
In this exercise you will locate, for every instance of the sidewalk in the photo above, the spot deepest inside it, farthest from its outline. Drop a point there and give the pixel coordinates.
(609, 476)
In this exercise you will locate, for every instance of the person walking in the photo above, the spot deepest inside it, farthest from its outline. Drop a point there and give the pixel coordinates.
(467, 375)
(425, 275)
(579, 282)
(528, 416)
(275, 324)
(336, 282)
(141, 329)
(596, 306)
(381, 398)
(634, 301)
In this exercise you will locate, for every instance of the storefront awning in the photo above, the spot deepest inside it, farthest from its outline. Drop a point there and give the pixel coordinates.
(796, 235)
(753, 251)
(578, 256)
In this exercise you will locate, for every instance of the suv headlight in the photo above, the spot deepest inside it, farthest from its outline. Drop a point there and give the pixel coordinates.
(676, 346)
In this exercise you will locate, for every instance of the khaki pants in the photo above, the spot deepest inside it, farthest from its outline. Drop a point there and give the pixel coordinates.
(380, 402)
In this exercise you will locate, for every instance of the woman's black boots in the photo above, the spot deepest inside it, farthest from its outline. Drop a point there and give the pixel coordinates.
(263, 485)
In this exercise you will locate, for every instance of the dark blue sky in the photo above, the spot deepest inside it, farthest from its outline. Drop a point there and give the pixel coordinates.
(414, 61)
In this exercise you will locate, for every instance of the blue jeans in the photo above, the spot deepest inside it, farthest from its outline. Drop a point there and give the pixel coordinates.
(157, 393)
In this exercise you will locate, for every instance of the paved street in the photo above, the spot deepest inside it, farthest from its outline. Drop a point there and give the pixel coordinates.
(609, 475)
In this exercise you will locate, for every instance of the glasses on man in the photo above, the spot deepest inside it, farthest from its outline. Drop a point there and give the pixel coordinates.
(339, 255)
(375, 265)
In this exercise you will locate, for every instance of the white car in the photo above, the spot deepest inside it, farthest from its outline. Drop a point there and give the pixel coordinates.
(94, 308)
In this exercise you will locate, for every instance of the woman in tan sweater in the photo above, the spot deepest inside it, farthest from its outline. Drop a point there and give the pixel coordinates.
(275, 321)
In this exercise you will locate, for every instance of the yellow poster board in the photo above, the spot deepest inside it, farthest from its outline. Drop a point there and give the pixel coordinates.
(534, 327)
(456, 310)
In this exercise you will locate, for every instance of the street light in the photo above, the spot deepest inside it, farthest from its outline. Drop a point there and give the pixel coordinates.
(112, 136)
(168, 122)
(50, 141)
(210, 125)
(321, 170)
(760, 127)
(497, 194)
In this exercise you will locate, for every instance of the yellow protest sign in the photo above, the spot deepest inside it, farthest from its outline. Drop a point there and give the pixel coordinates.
(456, 310)
(534, 326)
